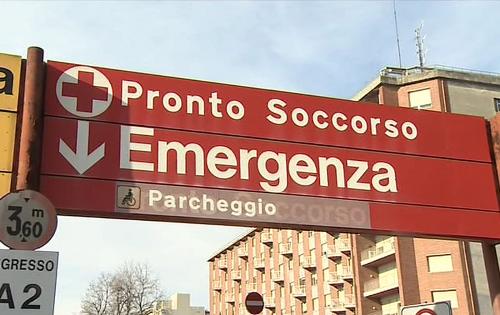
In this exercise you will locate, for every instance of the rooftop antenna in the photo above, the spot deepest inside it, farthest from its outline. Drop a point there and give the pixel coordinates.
(397, 32)
(420, 44)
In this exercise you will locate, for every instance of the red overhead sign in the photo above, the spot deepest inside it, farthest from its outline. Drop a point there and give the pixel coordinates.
(165, 102)
(125, 132)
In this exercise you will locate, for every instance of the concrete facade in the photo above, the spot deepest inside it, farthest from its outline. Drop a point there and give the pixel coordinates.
(177, 304)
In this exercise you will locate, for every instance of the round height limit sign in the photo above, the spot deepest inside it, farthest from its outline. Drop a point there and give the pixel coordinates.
(28, 220)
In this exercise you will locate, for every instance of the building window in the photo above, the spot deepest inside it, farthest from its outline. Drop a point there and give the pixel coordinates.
(420, 99)
(315, 304)
(497, 104)
(446, 295)
(328, 299)
(439, 263)
(314, 279)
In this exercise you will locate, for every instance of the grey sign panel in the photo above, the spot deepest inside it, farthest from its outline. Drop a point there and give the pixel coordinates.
(190, 202)
(27, 282)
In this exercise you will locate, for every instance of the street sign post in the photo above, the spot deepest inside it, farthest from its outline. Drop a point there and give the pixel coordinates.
(27, 282)
(436, 308)
(254, 303)
(28, 220)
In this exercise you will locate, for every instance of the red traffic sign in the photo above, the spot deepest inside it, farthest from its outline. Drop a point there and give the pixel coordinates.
(254, 303)
(28, 220)
(426, 311)
(436, 308)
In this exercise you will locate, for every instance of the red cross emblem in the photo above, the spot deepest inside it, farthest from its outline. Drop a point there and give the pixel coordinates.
(84, 91)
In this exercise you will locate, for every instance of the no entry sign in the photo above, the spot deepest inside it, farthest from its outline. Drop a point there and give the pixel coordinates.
(436, 308)
(254, 303)
(131, 138)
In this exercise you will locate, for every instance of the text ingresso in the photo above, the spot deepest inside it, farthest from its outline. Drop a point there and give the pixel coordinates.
(252, 164)
(217, 107)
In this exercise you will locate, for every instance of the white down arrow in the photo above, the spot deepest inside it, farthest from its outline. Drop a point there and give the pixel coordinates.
(81, 160)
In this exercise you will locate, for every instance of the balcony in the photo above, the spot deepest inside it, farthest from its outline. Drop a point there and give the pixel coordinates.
(379, 254)
(299, 292)
(259, 263)
(302, 274)
(375, 288)
(347, 273)
(278, 276)
(333, 252)
(236, 275)
(308, 262)
(286, 249)
(344, 245)
(335, 279)
(336, 306)
(266, 238)
(243, 251)
(216, 285)
(349, 301)
(270, 302)
(252, 287)
(222, 264)
(230, 298)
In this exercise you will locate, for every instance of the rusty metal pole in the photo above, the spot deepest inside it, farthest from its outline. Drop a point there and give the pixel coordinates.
(30, 146)
(493, 275)
(489, 250)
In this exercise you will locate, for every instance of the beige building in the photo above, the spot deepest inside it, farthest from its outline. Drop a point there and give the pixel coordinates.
(305, 272)
(177, 304)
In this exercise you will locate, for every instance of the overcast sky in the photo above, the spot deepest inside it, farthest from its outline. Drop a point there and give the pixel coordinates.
(329, 48)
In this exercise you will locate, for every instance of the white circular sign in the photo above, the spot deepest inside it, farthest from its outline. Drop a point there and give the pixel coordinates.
(28, 220)
(84, 91)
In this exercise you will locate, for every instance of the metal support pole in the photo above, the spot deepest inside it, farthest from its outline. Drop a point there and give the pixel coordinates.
(489, 250)
(493, 275)
(30, 145)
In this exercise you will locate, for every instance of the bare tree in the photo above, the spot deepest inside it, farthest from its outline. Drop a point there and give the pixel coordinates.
(98, 295)
(132, 290)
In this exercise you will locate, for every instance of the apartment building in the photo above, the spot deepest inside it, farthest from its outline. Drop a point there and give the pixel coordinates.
(450, 90)
(297, 272)
(306, 272)
(310, 272)
(437, 88)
